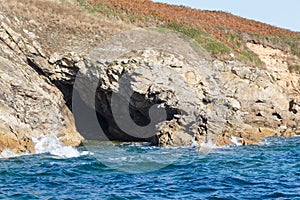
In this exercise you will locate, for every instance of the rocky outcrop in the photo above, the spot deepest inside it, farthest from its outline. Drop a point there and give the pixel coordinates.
(274, 57)
(35, 83)
(30, 105)
(141, 85)
(203, 99)
(230, 100)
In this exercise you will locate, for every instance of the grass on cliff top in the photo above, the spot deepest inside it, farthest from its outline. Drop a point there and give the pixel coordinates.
(211, 45)
(244, 53)
(294, 68)
(232, 42)
(293, 42)
(282, 41)
(105, 10)
(99, 8)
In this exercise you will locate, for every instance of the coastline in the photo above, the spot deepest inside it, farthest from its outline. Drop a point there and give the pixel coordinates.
(202, 95)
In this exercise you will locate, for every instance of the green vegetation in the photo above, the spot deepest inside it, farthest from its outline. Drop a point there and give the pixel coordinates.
(248, 56)
(244, 53)
(159, 29)
(294, 68)
(219, 42)
(273, 78)
(292, 42)
(211, 45)
(86, 6)
(99, 8)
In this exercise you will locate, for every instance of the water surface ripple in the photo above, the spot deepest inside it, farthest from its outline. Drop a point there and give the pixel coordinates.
(271, 171)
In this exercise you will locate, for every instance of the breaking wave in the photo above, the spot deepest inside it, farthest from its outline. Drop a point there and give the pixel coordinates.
(48, 145)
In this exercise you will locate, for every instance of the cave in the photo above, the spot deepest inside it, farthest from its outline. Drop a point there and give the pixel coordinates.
(107, 129)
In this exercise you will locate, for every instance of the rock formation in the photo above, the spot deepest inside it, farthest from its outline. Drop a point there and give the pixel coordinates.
(203, 98)
(233, 100)
(194, 96)
(30, 105)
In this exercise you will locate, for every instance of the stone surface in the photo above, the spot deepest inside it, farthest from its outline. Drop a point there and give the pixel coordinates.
(203, 98)
(30, 105)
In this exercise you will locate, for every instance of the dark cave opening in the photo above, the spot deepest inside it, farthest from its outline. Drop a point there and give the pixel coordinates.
(98, 124)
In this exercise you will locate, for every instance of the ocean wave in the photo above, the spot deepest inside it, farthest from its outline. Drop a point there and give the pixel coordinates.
(53, 146)
(6, 153)
(207, 147)
(236, 141)
(50, 145)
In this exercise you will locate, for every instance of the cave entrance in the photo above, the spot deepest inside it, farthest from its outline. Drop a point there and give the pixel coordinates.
(106, 129)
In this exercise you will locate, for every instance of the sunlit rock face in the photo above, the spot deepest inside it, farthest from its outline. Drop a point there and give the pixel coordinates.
(176, 93)
(30, 105)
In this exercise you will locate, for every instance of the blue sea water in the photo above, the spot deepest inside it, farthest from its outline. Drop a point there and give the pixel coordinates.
(269, 171)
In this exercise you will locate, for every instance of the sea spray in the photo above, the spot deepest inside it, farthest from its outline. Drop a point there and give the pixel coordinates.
(50, 145)
(207, 146)
(6, 153)
(236, 141)
(53, 146)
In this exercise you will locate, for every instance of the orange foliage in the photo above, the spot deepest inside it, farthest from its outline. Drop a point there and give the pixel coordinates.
(208, 20)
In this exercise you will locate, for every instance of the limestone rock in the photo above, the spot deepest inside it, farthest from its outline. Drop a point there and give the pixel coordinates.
(30, 105)
(202, 98)
(202, 106)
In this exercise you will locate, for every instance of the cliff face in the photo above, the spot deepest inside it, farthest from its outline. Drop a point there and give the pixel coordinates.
(47, 45)
(203, 98)
(31, 106)
(34, 87)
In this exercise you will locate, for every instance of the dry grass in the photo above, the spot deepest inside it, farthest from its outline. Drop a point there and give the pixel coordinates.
(210, 21)
(61, 26)
(222, 31)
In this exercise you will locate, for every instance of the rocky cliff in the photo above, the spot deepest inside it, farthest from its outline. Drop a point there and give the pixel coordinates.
(31, 105)
(203, 98)
(139, 85)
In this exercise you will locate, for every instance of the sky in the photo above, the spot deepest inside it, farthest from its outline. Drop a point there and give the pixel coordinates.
(281, 13)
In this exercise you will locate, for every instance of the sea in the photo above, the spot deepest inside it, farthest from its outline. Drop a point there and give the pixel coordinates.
(99, 170)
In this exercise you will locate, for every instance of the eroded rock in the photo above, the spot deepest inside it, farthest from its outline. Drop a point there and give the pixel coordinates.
(200, 99)
(30, 105)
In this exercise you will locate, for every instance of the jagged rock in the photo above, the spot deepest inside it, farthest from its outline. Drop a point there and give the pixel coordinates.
(54, 58)
(30, 105)
(202, 98)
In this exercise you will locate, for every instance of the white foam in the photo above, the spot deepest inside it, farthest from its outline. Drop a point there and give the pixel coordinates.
(236, 141)
(54, 147)
(49, 145)
(194, 144)
(6, 153)
(296, 136)
(207, 147)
